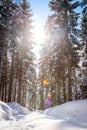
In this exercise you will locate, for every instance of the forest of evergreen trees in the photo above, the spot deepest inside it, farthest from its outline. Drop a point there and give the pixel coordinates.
(17, 69)
(63, 56)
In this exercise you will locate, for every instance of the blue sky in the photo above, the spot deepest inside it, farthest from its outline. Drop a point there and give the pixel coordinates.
(40, 10)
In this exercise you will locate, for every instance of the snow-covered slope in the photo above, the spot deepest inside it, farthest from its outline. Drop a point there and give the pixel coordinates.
(70, 110)
(12, 110)
(68, 116)
(17, 108)
(6, 112)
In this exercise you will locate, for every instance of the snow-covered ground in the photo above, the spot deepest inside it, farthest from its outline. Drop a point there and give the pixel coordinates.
(68, 116)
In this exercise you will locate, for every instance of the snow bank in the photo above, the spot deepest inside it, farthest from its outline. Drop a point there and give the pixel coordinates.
(67, 116)
(5, 112)
(70, 110)
(17, 108)
(8, 111)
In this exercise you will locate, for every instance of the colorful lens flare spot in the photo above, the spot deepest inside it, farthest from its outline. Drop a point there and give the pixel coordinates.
(49, 95)
(48, 101)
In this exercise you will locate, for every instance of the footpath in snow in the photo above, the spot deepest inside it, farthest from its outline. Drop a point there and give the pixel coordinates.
(68, 116)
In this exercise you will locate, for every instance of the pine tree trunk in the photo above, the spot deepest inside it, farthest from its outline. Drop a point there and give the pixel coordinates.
(19, 84)
(11, 80)
(69, 80)
(64, 90)
(1, 66)
(76, 96)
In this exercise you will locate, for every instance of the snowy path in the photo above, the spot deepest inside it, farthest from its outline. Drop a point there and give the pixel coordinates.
(68, 116)
(38, 121)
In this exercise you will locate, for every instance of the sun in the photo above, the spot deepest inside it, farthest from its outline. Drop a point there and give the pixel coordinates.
(38, 34)
(38, 38)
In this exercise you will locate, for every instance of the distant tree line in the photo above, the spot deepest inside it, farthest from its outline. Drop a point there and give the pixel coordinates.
(63, 57)
(17, 68)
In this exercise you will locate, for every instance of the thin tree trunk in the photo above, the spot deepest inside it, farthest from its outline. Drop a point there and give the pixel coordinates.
(11, 80)
(69, 80)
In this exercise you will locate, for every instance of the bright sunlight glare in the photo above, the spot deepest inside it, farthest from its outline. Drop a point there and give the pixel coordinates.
(39, 35)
